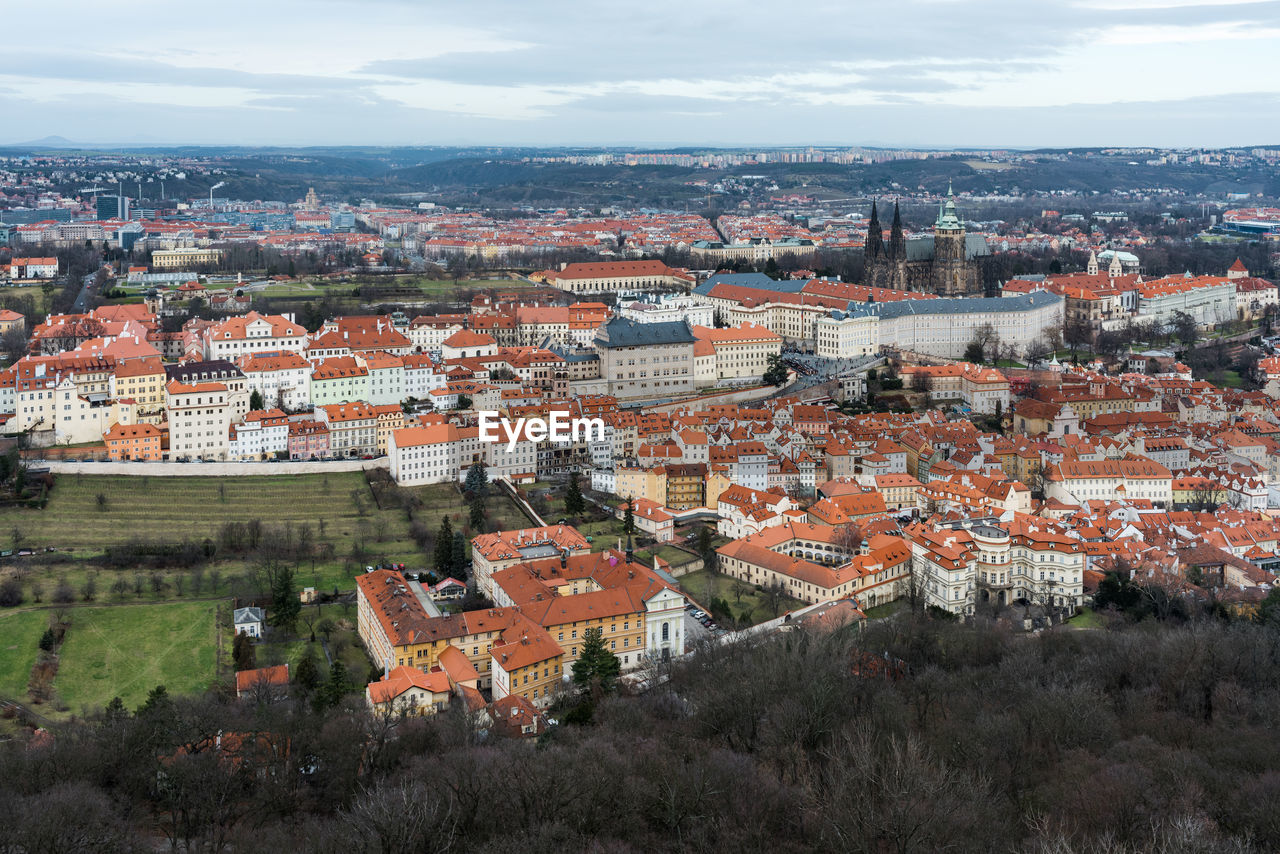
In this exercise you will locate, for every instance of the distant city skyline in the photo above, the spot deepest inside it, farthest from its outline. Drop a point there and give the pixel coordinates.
(918, 73)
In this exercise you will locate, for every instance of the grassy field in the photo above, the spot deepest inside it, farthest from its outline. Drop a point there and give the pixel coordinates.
(888, 609)
(19, 638)
(420, 288)
(173, 509)
(1086, 619)
(36, 293)
(703, 587)
(128, 650)
(144, 627)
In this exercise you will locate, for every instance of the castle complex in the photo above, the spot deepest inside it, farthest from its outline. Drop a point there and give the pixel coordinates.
(946, 263)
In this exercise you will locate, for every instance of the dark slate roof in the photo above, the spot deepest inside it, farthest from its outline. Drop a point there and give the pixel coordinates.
(575, 355)
(921, 248)
(962, 305)
(621, 332)
(203, 372)
(758, 281)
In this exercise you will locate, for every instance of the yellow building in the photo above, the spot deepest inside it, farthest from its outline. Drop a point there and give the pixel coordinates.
(686, 486)
(898, 490)
(143, 381)
(390, 419)
(632, 482)
(174, 259)
(1188, 491)
(529, 664)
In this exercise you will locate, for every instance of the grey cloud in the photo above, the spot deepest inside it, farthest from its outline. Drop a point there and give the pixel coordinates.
(118, 70)
(354, 121)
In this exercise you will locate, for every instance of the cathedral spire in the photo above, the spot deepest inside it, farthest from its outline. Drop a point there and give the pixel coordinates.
(897, 242)
(947, 218)
(874, 246)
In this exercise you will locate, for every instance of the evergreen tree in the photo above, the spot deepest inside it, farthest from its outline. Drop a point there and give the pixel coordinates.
(628, 519)
(243, 653)
(596, 665)
(443, 557)
(285, 604)
(477, 482)
(574, 503)
(704, 543)
(115, 710)
(337, 685)
(458, 557)
(307, 674)
(477, 515)
(48, 640)
(158, 703)
(255, 401)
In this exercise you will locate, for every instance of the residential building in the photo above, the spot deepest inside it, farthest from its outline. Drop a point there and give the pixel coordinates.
(199, 420)
(353, 428)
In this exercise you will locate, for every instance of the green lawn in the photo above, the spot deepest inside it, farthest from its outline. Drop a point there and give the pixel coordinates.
(1086, 619)
(128, 650)
(703, 587)
(888, 609)
(417, 288)
(39, 299)
(19, 639)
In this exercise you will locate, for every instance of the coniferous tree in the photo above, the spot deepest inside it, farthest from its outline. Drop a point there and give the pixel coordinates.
(48, 640)
(285, 604)
(629, 519)
(574, 503)
(336, 686)
(307, 674)
(443, 556)
(458, 557)
(255, 401)
(477, 482)
(243, 653)
(596, 665)
(477, 515)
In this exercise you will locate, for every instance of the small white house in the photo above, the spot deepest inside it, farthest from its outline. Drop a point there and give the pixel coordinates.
(450, 588)
(249, 621)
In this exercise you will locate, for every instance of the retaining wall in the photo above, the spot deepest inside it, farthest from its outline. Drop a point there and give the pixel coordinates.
(220, 469)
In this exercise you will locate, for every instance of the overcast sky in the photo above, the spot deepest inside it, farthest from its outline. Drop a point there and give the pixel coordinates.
(659, 73)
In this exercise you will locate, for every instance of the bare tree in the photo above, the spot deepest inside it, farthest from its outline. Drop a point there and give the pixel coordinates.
(404, 818)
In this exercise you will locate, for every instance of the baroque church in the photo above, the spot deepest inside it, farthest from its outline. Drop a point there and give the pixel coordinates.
(947, 263)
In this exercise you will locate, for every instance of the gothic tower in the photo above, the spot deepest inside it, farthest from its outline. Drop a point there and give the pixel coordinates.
(950, 275)
(897, 253)
(875, 236)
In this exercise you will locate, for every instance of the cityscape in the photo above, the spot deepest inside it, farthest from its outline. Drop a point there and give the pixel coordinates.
(644, 449)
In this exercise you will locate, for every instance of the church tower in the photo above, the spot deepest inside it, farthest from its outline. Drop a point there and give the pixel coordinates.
(897, 253)
(950, 275)
(1092, 269)
(875, 236)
